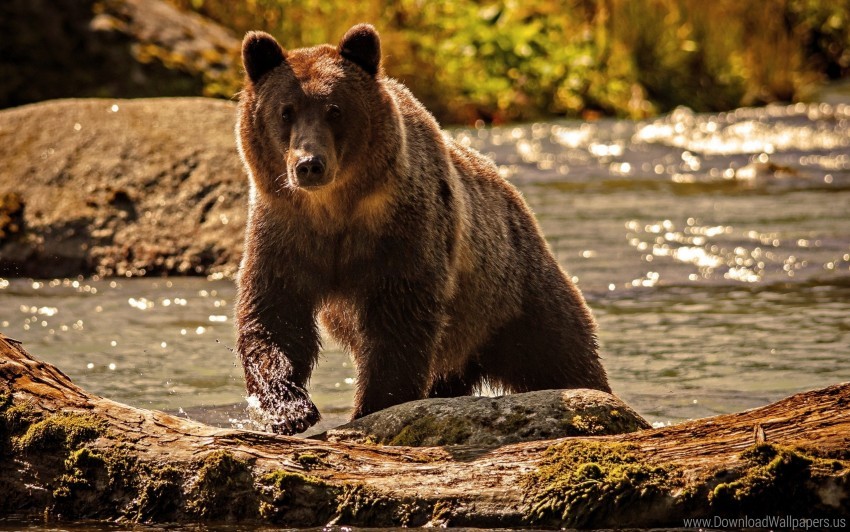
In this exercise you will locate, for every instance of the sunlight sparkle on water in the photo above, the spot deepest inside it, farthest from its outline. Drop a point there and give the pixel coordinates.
(721, 251)
(140, 303)
(746, 131)
(651, 279)
(572, 137)
(606, 150)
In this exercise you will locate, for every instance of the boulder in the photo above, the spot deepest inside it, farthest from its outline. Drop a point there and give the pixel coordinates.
(491, 421)
(121, 187)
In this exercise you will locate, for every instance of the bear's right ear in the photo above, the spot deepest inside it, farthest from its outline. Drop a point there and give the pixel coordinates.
(361, 45)
(260, 54)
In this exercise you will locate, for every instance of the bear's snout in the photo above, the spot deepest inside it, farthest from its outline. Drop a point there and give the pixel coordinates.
(311, 171)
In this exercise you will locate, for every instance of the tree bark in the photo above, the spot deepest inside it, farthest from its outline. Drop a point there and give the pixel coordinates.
(67, 454)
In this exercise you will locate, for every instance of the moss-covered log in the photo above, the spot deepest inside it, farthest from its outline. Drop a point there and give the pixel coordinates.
(67, 454)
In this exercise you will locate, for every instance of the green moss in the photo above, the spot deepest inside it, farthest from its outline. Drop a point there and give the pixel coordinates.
(112, 483)
(362, 505)
(586, 425)
(92, 481)
(123, 468)
(80, 481)
(447, 430)
(224, 488)
(293, 499)
(840, 455)
(160, 495)
(14, 420)
(76, 487)
(775, 478)
(578, 481)
(513, 422)
(66, 430)
(297, 500)
(285, 481)
(308, 460)
(18, 417)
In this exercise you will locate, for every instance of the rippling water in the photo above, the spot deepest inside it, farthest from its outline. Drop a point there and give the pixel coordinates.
(714, 250)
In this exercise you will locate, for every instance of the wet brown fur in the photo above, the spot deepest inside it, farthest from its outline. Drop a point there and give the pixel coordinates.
(415, 254)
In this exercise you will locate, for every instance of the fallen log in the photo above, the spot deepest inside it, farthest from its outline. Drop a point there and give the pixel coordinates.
(66, 454)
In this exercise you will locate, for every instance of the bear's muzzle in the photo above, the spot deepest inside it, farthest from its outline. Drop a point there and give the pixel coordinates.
(310, 171)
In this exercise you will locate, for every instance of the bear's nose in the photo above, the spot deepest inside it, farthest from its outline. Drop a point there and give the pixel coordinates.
(310, 169)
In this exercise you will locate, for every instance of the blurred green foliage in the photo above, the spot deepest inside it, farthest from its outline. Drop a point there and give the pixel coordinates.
(521, 60)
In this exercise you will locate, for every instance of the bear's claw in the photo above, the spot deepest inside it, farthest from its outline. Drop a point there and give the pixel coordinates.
(288, 410)
(296, 423)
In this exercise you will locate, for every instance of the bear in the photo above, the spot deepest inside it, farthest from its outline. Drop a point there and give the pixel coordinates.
(409, 248)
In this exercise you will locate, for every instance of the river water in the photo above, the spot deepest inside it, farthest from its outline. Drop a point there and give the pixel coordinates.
(714, 250)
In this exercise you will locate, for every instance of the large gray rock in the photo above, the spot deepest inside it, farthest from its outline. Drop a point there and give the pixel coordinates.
(501, 420)
(120, 187)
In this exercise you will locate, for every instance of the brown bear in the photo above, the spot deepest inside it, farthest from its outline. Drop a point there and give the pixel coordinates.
(415, 254)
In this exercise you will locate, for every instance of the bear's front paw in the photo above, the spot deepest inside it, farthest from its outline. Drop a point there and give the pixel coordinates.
(287, 410)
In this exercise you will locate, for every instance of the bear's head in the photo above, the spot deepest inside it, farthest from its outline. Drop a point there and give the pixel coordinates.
(308, 116)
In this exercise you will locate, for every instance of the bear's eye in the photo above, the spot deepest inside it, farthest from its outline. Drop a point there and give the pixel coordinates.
(333, 112)
(287, 114)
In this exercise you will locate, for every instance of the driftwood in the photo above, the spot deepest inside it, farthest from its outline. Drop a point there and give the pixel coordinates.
(67, 454)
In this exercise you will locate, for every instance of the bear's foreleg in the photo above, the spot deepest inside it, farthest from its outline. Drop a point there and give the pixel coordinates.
(278, 345)
(400, 325)
(457, 385)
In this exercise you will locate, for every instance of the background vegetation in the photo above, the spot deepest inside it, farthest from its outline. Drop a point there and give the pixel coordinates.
(520, 60)
(468, 60)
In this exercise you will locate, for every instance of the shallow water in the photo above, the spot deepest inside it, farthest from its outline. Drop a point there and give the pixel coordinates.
(713, 249)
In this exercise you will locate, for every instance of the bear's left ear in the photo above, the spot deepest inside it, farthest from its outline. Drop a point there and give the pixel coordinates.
(260, 54)
(362, 46)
